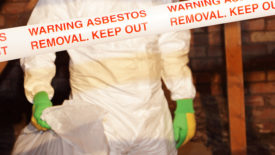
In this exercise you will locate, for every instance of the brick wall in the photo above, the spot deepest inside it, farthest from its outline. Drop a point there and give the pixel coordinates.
(259, 58)
(208, 65)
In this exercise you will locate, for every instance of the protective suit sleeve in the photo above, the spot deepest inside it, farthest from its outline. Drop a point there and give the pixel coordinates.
(174, 48)
(39, 70)
(38, 74)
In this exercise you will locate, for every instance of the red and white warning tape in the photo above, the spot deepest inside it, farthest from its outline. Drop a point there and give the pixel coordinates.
(35, 39)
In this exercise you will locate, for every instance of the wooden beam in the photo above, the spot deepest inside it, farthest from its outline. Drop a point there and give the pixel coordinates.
(235, 88)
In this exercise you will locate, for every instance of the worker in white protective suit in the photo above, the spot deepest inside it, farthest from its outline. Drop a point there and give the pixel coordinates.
(123, 77)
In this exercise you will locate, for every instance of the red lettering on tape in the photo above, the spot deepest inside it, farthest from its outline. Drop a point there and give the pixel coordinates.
(241, 10)
(116, 18)
(3, 50)
(192, 5)
(136, 28)
(198, 17)
(58, 41)
(3, 37)
(104, 33)
(268, 5)
(34, 31)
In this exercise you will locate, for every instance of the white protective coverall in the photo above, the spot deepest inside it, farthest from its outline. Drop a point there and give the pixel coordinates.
(123, 77)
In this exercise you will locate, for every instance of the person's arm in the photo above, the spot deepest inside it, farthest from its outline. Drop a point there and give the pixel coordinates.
(38, 73)
(176, 74)
(39, 70)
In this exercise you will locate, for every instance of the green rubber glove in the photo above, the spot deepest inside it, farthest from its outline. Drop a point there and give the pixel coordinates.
(41, 101)
(184, 122)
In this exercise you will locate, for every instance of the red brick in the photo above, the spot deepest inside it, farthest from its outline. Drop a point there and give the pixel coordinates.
(214, 51)
(254, 25)
(11, 21)
(266, 127)
(13, 8)
(271, 75)
(255, 100)
(216, 89)
(254, 49)
(262, 87)
(207, 64)
(270, 24)
(215, 28)
(216, 78)
(2, 20)
(271, 49)
(215, 38)
(256, 112)
(246, 37)
(202, 77)
(255, 76)
(199, 39)
(270, 100)
(199, 30)
(196, 52)
(259, 62)
(262, 36)
(268, 114)
(222, 107)
(260, 115)
(192, 42)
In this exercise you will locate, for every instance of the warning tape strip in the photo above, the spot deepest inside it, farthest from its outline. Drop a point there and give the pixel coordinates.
(36, 39)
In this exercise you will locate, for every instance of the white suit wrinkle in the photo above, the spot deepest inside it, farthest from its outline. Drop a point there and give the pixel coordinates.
(123, 77)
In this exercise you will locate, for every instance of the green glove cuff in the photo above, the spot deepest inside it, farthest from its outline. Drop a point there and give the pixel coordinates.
(184, 106)
(42, 100)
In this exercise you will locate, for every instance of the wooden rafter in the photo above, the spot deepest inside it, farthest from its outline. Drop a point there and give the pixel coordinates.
(235, 88)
